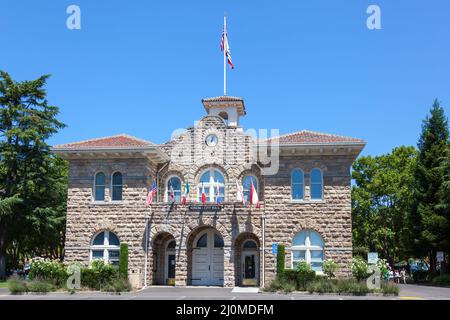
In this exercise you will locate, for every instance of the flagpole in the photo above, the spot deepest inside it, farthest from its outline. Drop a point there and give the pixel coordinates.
(225, 55)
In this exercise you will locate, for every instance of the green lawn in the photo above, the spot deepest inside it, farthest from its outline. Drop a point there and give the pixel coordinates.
(3, 284)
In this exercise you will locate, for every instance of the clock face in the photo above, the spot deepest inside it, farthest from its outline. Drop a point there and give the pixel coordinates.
(211, 140)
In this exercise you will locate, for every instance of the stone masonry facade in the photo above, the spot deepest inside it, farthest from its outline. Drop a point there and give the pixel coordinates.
(148, 229)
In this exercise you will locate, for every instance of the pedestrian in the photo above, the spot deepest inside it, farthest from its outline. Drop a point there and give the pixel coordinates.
(396, 276)
(403, 275)
(391, 274)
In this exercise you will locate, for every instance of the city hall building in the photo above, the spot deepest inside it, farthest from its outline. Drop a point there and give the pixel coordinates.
(302, 181)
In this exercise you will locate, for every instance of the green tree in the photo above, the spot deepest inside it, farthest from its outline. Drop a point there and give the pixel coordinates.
(429, 219)
(26, 164)
(381, 201)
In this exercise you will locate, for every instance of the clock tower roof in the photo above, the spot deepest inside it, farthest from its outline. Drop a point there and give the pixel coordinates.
(224, 102)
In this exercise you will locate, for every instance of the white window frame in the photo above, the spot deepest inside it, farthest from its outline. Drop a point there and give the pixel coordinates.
(167, 190)
(292, 185)
(211, 184)
(112, 186)
(243, 187)
(307, 247)
(310, 185)
(94, 190)
(105, 247)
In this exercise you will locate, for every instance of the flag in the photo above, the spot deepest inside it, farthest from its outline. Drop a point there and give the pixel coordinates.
(254, 196)
(224, 46)
(218, 200)
(185, 195)
(172, 194)
(240, 194)
(151, 194)
(203, 194)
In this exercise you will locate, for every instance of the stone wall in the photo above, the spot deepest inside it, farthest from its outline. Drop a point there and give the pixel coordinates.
(189, 156)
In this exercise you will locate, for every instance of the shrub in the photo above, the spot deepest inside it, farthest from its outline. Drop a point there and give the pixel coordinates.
(118, 284)
(123, 260)
(360, 268)
(443, 280)
(98, 275)
(48, 270)
(304, 275)
(321, 285)
(281, 259)
(420, 275)
(352, 286)
(389, 289)
(39, 286)
(330, 267)
(17, 286)
(274, 286)
(288, 287)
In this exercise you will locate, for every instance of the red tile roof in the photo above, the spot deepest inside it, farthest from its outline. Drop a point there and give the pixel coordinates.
(311, 137)
(222, 98)
(118, 141)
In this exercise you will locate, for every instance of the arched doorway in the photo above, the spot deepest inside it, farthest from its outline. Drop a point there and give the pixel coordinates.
(207, 258)
(247, 264)
(164, 262)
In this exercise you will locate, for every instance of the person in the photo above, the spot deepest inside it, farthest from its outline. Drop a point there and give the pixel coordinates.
(391, 274)
(27, 268)
(396, 276)
(403, 275)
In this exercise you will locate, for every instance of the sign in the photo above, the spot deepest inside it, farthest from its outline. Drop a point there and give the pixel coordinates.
(275, 248)
(440, 256)
(205, 207)
(372, 257)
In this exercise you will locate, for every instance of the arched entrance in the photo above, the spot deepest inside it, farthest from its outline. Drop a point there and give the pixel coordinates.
(247, 264)
(207, 258)
(164, 263)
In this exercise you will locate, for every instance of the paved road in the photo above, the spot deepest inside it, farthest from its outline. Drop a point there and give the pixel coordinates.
(407, 292)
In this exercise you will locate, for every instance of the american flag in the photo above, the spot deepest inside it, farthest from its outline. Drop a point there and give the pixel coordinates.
(225, 46)
(151, 194)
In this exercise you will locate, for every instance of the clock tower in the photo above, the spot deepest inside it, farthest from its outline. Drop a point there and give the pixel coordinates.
(228, 108)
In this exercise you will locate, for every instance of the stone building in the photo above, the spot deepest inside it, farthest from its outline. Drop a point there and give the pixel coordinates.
(302, 181)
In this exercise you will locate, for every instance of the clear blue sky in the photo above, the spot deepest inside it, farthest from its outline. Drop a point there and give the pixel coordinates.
(142, 67)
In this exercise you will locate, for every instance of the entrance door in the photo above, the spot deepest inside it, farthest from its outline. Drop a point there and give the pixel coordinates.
(250, 263)
(207, 259)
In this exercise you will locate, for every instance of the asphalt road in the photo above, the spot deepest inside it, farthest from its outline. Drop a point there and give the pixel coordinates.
(407, 292)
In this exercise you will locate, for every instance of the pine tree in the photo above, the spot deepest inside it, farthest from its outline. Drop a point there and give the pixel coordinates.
(26, 122)
(428, 220)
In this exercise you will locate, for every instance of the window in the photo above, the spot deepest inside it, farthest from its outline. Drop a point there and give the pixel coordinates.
(171, 245)
(316, 184)
(175, 183)
(307, 245)
(202, 242)
(218, 241)
(249, 244)
(116, 186)
(213, 184)
(99, 187)
(106, 246)
(297, 184)
(246, 185)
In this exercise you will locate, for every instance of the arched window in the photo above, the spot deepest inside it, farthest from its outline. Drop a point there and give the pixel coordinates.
(247, 183)
(105, 246)
(213, 184)
(175, 183)
(316, 184)
(218, 241)
(224, 116)
(250, 244)
(171, 244)
(202, 242)
(99, 187)
(307, 245)
(297, 184)
(116, 186)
